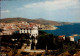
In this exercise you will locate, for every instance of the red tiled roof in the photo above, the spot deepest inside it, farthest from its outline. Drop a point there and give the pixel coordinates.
(61, 36)
(71, 36)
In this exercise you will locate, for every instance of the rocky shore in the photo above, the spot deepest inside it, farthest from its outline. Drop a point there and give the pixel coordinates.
(48, 27)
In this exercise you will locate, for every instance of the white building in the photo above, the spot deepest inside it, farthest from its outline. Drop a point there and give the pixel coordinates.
(33, 31)
(71, 38)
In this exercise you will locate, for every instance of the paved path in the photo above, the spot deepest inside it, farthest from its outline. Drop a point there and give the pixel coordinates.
(37, 51)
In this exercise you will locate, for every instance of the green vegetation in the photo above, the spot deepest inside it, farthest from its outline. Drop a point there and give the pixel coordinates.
(54, 43)
(58, 46)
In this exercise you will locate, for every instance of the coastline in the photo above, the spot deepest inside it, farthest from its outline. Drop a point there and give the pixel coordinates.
(49, 28)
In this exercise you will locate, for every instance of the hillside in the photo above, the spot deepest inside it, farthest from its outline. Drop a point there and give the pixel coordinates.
(39, 21)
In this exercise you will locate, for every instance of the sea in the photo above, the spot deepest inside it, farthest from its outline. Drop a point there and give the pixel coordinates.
(68, 30)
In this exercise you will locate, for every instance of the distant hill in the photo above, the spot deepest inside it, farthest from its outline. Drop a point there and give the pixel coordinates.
(39, 21)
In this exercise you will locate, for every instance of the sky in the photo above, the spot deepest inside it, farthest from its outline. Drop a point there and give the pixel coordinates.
(55, 10)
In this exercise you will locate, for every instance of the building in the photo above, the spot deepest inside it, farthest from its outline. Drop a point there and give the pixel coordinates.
(8, 32)
(62, 37)
(71, 38)
(33, 31)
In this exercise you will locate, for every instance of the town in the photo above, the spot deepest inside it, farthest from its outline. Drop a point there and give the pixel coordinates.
(9, 28)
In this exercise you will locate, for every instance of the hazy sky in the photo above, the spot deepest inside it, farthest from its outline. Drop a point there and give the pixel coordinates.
(56, 10)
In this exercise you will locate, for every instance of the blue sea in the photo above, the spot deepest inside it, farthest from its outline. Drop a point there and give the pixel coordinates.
(67, 30)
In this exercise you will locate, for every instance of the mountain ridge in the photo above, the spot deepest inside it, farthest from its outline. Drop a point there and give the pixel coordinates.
(38, 21)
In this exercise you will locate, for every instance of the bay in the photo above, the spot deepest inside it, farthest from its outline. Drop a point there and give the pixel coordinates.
(67, 30)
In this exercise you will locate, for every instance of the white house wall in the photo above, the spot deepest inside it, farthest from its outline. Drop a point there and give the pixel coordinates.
(26, 31)
(29, 31)
(33, 32)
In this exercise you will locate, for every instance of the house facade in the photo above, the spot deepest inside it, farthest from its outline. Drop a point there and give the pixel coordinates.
(33, 31)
